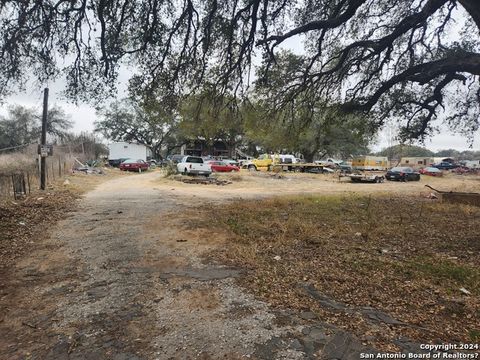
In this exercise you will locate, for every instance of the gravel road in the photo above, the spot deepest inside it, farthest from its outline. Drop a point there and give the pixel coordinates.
(123, 278)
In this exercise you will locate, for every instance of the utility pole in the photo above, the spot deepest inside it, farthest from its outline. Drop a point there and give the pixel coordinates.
(43, 159)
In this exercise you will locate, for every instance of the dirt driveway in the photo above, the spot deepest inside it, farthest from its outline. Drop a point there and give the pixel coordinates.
(123, 278)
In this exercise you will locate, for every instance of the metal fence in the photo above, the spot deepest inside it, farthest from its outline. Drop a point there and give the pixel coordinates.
(19, 183)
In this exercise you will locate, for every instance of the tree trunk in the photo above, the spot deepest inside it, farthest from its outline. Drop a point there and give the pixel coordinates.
(310, 156)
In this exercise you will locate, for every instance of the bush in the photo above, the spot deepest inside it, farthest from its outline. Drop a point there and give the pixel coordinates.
(170, 169)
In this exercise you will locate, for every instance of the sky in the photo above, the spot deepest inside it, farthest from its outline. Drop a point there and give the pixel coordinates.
(84, 115)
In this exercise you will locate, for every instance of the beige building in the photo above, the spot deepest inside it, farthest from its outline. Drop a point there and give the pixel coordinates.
(416, 162)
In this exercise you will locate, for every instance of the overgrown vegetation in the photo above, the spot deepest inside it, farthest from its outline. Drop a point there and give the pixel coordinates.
(404, 256)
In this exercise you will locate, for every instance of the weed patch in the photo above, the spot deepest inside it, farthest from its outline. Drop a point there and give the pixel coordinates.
(405, 256)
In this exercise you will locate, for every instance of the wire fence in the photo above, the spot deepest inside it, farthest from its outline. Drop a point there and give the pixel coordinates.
(18, 183)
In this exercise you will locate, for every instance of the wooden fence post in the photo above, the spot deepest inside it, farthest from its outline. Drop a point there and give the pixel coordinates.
(28, 182)
(13, 187)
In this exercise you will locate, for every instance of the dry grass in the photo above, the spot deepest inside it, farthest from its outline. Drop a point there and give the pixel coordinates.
(24, 222)
(405, 256)
(16, 162)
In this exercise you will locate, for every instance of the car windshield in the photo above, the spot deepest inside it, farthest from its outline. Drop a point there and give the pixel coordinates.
(400, 169)
(195, 160)
(432, 169)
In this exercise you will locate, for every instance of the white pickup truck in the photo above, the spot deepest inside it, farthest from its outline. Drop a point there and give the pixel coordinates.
(193, 165)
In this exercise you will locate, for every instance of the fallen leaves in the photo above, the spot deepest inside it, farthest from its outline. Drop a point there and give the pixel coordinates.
(25, 221)
(404, 256)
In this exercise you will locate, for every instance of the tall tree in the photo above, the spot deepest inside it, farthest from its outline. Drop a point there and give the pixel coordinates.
(211, 116)
(306, 123)
(150, 123)
(22, 125)
(403, 150)
(391, 58)
(19, 127)
(313, 133)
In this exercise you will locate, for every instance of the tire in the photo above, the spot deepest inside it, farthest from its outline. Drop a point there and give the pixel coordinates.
(252, 168)
(139, 170)
(269, 168)
(185, 171)
(207, 175)
(232, 171)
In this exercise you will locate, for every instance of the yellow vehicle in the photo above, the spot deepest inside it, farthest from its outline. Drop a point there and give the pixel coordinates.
(266, 161)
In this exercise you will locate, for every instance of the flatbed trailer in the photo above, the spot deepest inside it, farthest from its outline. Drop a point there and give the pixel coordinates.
(364, 178)
(297, 167)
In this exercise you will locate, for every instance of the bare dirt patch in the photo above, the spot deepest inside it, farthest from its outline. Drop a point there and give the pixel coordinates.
(247, 184)
(381, 267)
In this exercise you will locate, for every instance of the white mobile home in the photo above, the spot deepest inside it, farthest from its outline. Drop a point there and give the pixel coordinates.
(471, 164)
(126, 150)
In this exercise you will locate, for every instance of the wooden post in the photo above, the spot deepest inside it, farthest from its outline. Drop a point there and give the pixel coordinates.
(59, 168)
(28, 182)
(13, 186)
(43, 159)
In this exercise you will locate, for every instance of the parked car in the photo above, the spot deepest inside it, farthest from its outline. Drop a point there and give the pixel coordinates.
(220, 166)
(267, 161)
(319, 170)
(193, 165)
(402, 174)
(134, 165)
(116, 162)
(175, 159)
(345, 166)
(431, 171)
(445, 166)
(231, 162)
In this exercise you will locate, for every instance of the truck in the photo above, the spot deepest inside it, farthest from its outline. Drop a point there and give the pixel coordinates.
(120, 151)
(284, 162)
(267, 162)
(329, 162)
(445, 165)
(193, 165)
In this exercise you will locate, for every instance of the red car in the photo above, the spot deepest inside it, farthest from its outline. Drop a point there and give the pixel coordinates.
(432, 171)
(220, 166)
(134, 165)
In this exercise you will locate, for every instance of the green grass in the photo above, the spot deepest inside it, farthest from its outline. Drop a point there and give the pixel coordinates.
(474, 335)
(443, 271)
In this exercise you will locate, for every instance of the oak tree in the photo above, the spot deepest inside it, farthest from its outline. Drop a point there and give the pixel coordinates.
(411, 60)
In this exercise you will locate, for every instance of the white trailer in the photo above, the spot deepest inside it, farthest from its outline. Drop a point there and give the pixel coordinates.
(471, 164)
(125, 150)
